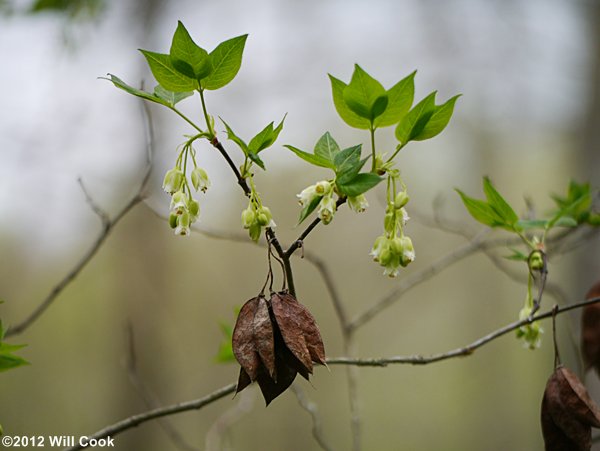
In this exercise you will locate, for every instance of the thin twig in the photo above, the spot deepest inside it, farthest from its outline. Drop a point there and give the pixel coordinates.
(107, 226)
(136, 420)
(458, 352)
(416, 279)
(312, 408)
(222, 424)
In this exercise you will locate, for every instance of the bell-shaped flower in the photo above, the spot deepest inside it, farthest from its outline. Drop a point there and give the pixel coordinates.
(358, 203)
(200, 179)
(327, 208)
(179, 203)
(173, 180)
(183, 224)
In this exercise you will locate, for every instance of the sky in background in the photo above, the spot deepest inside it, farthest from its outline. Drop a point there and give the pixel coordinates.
(520, 67)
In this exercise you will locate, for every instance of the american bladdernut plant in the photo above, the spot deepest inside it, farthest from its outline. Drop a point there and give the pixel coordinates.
(275, 336)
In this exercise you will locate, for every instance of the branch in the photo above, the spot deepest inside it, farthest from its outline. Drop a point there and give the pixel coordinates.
(416, 279)
(458, 352)
(107, 226)
(136, 420)
(313, 410)
(227, 420)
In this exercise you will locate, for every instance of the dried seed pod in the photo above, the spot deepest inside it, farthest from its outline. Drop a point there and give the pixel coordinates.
(568, 413)
(298, 329)
(273, 341)
(590, 331)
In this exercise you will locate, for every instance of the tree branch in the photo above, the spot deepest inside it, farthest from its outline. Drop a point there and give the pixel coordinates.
(107, 226)
(136, 420)
(458, 352)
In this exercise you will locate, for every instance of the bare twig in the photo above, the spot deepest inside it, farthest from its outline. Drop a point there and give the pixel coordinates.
(228, 419)
(417, 278)
(458, 352)
(107, 226)
(136, 420)
(312, 408)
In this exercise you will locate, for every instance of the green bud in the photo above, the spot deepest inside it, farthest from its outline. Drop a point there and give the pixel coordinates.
(536, 261)
(200, 179)
(262, 219)
(173, 220)
(248, 218)
(385, 257)
(401, 200)
(173, 180)
(254, 231)
(194, 209)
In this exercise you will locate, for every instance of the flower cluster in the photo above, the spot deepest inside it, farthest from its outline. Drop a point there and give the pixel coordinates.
(530, 333)
(393, 249)
(256, 216)
(321, 195)
(184, 208)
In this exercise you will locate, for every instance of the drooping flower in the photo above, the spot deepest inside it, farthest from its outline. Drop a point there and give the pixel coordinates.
(358, 203)
(173, 180)
(327, 208)
(200, 179)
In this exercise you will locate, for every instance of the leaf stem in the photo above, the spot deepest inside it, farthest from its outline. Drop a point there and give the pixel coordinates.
(398, 149)
(211, 132)
(373, 162)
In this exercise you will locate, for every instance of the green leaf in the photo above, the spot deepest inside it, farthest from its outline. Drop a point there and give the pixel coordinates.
(577, 203)
(226, 60)
(347, 158)
(517, 255)
(133, 91)
(347, 115)
(400, 98)
(359, 184)
(7, 359)
(308, 209)
(326, 147)
(256, 159)
(171, 98)
(438, 120)
(347, 174)
(364, 95)
(415, 121)
(187, 57)
(316, 160)
(225, 353)
(265, 138)
(236, 139)
(497, 202)
(166, 75)
(527, 224)
(480, 210)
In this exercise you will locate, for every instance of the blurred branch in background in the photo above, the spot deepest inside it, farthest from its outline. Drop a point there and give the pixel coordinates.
(107, 226)
(136, 420)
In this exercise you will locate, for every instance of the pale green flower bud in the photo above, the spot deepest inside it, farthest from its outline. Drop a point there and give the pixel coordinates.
(358, 203)
(179, 203)
(536, 261)
(327, 208)
(265, 218)
(173, 220)
(389, 222)
(408, 251)
(173, 180)
(200, 179)
(248, 217)
(323, 188)
(401, 200)
(194, 210)
(378, 247)
(404, 216)
(183, 224)
(530, 333)
(254, 231)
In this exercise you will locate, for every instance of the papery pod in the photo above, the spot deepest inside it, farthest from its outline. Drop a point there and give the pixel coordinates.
(568, 413)
(298, 329)
(590, 331)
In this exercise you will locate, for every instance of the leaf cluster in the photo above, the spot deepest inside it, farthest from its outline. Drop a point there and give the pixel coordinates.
(365, 104)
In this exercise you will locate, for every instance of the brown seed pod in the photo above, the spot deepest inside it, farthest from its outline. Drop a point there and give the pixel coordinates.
(590, 331)
(568, 413)
(273, 341)
(298, 329)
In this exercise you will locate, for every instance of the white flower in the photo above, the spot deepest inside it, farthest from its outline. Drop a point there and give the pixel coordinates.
(173, 180)
(404, 216)
(358, 203)
(179, 203)
(200, 179)
(307, 195)
(327, 209)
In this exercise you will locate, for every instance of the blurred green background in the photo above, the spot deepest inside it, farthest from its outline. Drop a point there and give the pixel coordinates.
(528, 118)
